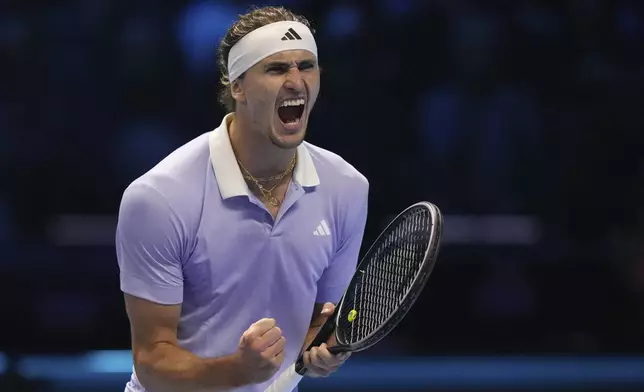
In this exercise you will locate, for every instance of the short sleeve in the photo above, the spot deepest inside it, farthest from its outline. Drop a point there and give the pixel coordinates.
(149, 240)
(337, 276)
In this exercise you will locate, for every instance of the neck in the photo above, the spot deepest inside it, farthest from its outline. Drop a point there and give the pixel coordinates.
(256, 153)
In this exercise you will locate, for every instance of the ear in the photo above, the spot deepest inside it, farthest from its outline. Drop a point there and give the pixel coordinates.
(237, 91)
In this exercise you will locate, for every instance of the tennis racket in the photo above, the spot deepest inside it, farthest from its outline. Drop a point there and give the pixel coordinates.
(387, 282)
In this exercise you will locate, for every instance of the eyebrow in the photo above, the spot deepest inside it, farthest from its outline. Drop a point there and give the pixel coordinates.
(285, 64)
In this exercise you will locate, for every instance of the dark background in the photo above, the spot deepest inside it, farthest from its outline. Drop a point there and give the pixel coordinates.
(520, 119)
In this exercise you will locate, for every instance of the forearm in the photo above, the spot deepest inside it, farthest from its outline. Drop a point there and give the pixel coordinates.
(310, 335)
(168, 368)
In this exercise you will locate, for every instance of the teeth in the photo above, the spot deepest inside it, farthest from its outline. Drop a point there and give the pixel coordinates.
(293, 102)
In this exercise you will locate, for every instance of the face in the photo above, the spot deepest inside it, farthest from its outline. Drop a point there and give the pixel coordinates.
(278, 94)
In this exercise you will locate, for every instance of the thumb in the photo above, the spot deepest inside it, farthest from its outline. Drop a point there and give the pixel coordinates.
(328, 309)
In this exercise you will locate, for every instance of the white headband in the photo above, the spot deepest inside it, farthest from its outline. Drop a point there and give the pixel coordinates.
(267, 40)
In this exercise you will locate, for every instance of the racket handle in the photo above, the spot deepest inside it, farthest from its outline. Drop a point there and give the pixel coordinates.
(286, 382)
(322, 337)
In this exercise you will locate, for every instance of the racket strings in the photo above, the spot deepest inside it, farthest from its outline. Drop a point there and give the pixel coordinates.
(387, 277)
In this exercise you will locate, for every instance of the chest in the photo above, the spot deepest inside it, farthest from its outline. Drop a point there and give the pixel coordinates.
(279, 193)
(242, 251)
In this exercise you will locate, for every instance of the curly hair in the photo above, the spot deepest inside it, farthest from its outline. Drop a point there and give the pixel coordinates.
(248, 22)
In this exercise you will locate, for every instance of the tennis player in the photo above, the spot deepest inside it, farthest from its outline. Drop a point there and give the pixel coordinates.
(234, 249)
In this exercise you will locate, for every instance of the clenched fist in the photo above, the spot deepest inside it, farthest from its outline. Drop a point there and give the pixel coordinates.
(261, 351)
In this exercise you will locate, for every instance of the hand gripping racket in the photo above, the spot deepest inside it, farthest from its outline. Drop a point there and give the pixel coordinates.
(387, 282)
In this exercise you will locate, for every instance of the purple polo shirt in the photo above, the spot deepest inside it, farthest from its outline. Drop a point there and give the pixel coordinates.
(190, 232)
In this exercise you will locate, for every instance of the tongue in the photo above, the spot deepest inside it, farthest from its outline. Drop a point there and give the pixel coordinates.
(289, 114)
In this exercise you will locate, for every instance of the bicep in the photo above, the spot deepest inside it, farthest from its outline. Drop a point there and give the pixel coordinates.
(148, 248)
(151, 324)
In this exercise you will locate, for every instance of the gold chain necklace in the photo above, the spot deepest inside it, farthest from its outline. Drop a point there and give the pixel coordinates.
(264, 179)
(267, 193)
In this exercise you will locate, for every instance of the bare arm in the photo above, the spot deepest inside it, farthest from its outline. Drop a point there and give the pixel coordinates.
(161, 365)
(150, 240)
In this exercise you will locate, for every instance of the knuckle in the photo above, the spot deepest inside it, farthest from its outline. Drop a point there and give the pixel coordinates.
(263, 324)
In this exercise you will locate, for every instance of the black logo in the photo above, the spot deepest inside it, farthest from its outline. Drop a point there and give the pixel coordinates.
(291, 35)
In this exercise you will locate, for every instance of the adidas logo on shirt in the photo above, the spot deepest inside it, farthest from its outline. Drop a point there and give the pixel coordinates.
(322, 229)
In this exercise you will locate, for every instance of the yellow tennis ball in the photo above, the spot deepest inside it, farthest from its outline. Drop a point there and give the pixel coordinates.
(352, 315)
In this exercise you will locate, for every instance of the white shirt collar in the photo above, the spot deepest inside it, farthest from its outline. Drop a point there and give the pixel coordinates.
(229, 177)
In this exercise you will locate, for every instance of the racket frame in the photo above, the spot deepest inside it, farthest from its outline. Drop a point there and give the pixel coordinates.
(429, 260)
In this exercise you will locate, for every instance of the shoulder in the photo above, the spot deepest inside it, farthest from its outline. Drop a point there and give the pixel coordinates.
(343, 185)
(336, 172)
(176, 184)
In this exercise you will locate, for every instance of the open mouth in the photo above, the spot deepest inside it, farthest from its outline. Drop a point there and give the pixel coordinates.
(290, 111)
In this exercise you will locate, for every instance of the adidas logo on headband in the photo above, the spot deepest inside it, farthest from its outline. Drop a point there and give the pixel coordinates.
(291, 35)
(267, 40)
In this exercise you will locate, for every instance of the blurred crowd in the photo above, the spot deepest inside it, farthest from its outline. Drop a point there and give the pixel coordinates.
(483, 107)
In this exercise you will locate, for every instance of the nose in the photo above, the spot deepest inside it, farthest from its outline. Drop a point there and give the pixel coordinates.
(294, 79)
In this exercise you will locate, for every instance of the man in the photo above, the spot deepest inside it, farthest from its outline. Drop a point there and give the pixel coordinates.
(234, 248)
